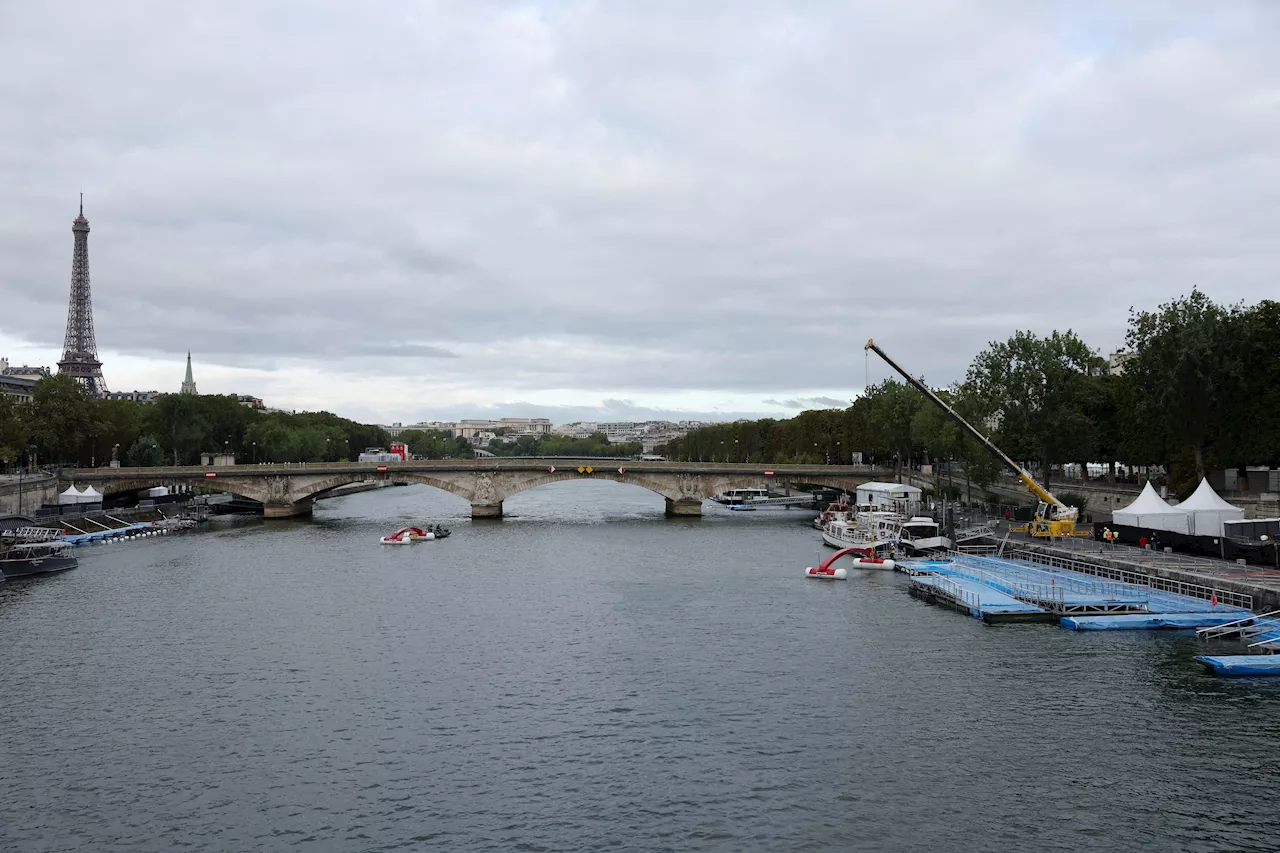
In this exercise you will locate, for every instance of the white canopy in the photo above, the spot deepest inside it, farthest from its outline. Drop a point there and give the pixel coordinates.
(1207, 511)
(1150, 511)
(70, 496)
(90, 495)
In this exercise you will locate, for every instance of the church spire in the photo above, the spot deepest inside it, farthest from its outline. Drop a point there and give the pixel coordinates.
(188, 384)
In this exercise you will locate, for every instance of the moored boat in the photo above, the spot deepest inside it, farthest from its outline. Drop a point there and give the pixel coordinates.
(919, 536)
(834, 512)
(35, 551)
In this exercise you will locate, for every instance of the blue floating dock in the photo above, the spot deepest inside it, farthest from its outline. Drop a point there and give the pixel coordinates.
(1152, 621)
(999, 589)
(1241, 664)
(100, 535)
(977, 599)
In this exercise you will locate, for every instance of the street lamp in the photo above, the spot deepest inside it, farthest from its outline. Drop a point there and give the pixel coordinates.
(255, 453)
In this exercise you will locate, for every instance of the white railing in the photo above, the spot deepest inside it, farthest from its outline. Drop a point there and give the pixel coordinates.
(953, 589)
(1230, 598)
(1234, 627)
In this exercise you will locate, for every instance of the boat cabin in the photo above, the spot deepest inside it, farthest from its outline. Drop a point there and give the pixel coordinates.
(889, 497)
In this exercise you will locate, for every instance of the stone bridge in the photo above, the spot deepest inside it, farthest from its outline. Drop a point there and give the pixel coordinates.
(289, 490)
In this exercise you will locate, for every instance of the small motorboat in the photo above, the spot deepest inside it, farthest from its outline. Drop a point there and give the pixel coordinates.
(407, 536)
(742, 508)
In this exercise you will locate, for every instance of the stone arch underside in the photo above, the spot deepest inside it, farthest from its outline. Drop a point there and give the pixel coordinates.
(243, 488)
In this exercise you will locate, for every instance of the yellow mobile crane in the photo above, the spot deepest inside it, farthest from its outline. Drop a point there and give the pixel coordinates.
(1053, 517)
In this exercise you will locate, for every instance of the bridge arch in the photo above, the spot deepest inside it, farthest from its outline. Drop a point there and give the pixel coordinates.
(240, 487)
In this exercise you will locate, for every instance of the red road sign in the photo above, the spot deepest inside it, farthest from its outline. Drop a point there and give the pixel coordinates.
(382, 469)
(210, 475)
(768, 473)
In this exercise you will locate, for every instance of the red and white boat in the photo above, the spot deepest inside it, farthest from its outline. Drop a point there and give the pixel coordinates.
(835, 512)
(407, 536)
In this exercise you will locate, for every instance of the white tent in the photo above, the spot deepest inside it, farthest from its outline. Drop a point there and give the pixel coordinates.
(90, 495)
(70, 496)
(1207, 511)
(1150, 511)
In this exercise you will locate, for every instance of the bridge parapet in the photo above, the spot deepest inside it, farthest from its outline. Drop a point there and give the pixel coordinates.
(286, 490)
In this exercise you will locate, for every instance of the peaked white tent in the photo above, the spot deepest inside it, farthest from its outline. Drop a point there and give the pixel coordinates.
(1150, 511)
(71, 496)
(90, 495)
(1207, 511)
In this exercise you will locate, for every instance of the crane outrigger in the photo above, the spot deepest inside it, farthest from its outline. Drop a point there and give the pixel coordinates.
(1053, 517)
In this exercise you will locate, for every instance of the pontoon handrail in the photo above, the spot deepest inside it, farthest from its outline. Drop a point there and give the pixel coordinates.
(1208, 629)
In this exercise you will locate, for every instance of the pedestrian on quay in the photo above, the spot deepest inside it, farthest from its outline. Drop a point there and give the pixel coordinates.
(1142, 542)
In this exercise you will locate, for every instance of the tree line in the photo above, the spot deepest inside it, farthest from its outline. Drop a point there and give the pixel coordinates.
(437, 444)
(1200, 391)
(64, 426)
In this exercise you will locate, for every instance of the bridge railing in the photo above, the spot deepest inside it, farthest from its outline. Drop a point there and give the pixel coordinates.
(496, 463)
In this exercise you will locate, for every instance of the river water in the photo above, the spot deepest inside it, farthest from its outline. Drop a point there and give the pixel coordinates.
(585, 675)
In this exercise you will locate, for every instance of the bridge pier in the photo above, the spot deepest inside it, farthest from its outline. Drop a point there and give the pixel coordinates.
(486, 510)
(684, 507)
(288, 510)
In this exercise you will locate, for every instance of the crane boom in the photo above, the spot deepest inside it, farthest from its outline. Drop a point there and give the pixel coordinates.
(1060, 509)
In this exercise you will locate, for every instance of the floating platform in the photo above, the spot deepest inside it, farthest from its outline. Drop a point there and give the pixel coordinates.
(976, 599)
(94, 536)
(1241, 664)
(1003, 590)
(1152, 621)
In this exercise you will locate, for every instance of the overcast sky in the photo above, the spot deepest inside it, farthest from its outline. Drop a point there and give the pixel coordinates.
(403, 210)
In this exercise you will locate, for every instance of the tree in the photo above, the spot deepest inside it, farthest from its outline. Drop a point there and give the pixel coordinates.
(891, 411)
(14, 429)
(145, 452)
(1035, 388)
(62, 417)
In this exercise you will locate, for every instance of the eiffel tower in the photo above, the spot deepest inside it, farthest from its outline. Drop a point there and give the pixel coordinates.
(80, 350)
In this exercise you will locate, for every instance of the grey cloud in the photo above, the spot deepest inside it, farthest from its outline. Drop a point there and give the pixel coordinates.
(808, 403)
(650, 197)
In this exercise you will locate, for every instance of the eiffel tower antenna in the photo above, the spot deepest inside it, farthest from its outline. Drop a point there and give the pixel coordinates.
(80, 350)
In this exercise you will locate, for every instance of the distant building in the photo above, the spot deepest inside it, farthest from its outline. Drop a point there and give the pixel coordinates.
(1116, 363)
(188, 384)
(471, 427)
(24, 371)
(250, 401)
(21, 387)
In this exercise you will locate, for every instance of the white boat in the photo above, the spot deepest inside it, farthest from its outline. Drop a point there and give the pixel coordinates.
(871, 554)
(919, 536)
(741, 496)
(835, 512)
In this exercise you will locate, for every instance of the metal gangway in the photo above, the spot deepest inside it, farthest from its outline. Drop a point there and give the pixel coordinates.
(34, 534)
(975, 531)
(1263, 629)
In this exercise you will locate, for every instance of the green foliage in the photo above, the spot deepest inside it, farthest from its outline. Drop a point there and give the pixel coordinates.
(62, 418)
(70, 428)
(13, 430)
(1202, 389)
(1078, 500)
(1037, 389)
(145, 452)
(594, 445)
(429, 444)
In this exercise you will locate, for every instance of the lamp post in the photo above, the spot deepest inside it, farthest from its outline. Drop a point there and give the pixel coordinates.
(255, 453)
(93, 451)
